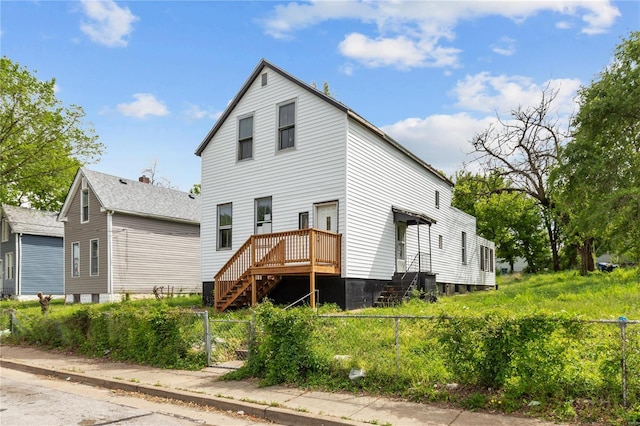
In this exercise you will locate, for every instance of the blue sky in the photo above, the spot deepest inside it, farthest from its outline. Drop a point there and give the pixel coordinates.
(153, 76)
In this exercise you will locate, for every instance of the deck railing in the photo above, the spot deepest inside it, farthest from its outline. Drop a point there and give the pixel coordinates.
(311, 247)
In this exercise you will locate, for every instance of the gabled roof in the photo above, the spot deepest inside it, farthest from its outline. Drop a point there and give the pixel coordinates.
(28, 221)
(136, 198)
(350, 113)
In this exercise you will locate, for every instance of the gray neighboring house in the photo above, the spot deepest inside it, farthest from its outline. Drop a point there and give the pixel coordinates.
(31, 256)
(125, 237)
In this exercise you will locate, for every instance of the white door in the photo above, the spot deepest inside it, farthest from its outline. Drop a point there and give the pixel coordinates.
(401, 247)
(327, 217)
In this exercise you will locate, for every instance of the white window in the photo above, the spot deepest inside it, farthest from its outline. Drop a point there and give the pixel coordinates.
(245, 138)
(225, 220)
(286, 125)
(440, 242)
(94, 257)
(264, 79)
(263, 215)
(84, 205)
(437, 199)
(9, 267)
(464, 248)
(5, 230)
(75, 259)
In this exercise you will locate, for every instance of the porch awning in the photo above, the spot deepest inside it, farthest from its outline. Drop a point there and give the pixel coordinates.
(411, 218)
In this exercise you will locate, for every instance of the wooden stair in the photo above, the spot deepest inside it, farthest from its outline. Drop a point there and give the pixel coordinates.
(240, 294)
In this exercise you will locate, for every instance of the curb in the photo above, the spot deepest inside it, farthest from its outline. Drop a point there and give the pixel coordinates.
(279, 415)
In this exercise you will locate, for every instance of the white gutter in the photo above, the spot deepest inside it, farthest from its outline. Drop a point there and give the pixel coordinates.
(109, 252)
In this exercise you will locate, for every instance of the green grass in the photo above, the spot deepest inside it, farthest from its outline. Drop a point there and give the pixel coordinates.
(595, 296)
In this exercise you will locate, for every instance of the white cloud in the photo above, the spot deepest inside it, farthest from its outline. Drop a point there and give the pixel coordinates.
(415, 33)
(484, 92)
(145, 105)
(441, 140)
(108, 24)
(444, 140)
(195, 112)
(505, 47)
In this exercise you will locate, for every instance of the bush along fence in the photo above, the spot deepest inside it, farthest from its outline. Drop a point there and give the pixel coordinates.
(494, 361)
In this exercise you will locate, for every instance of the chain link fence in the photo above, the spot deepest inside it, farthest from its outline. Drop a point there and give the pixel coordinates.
(578, 355)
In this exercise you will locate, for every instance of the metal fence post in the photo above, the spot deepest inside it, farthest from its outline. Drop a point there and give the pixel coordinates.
(623, 334)
(207, 337)
(397, 321)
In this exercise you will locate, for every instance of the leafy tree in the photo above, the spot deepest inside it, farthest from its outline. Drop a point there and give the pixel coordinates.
(196, 189)
(599, 171)
(512, 220)
(522, 151)
(42, 142)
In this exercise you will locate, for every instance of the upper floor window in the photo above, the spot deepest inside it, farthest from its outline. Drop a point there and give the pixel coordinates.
(464, 248)
(5, 230)
(286, 125)
(263, 80)
(437, 199)
(75, 259)
(84, 205)
(245, 138)
(440, 242)
(225, 218)
(94, 258)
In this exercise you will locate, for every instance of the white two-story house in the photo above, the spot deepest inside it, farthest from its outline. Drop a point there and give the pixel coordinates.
(301, 195)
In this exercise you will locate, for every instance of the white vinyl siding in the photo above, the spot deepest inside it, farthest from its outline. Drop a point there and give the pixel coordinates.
(314, 172)
(379, 177)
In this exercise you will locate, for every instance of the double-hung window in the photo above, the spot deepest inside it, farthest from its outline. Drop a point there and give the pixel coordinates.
(286, 125)
(75, 259)
(93, 271)
(225, 212)
(5, 230)
(10, 267)
(84, 205)
(245, 138)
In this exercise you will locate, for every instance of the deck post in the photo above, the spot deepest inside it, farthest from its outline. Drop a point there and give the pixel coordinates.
(254, 296)
(312, 261)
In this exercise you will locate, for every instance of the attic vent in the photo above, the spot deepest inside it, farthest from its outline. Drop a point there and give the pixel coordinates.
(192, 197)
(122, 181)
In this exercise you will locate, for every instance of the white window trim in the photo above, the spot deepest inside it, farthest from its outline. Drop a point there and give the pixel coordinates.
(9, 266)
(77, 243)
(293, 101)
(97, 240)
(82, 191)
(465, 253)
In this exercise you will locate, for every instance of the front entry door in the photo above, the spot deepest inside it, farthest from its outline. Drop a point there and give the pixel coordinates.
(327, 217)
(401, 247)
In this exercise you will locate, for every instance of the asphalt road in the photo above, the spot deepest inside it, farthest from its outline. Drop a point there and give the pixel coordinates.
(27, 399)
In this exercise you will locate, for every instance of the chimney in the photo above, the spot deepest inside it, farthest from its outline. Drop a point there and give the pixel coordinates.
(143, 179)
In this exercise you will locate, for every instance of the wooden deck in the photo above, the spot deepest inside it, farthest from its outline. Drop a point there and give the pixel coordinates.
(261, 262)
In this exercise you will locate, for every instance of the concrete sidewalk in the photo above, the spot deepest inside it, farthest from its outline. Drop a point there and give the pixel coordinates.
(280, 404)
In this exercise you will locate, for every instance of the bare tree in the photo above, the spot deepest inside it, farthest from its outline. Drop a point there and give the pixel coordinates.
(523, 151)
(152, 173)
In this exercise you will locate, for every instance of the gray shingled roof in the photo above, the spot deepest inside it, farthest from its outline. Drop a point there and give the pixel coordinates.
(33, 222)
(134, 197)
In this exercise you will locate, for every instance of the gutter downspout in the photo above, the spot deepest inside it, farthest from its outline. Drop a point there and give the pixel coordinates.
(110, 253)
(18, 265)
